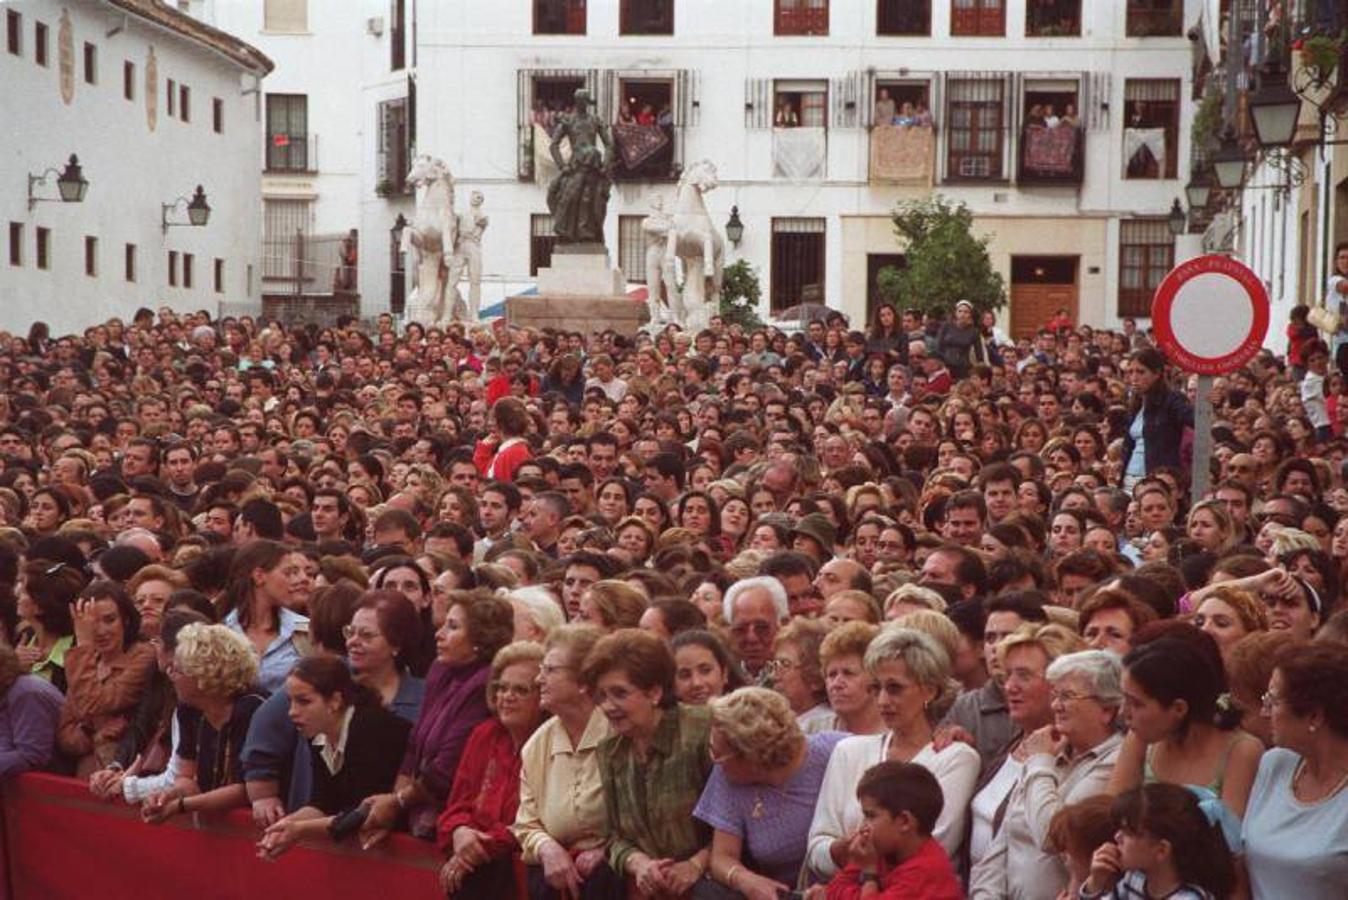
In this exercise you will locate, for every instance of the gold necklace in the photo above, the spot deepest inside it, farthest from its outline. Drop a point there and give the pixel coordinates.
(1301, 770)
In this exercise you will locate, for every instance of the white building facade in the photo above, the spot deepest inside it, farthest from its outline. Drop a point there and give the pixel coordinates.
(311, 132)
(1063, 125)
(153, 103)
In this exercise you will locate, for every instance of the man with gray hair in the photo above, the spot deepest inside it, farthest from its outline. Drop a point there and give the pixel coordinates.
(755, 608)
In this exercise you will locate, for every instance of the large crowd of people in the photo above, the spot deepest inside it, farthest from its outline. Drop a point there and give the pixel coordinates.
(908, 610)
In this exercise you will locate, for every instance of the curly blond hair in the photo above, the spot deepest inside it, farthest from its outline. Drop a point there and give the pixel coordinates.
(937, 625)
(1053, 639)
(759, 726)
(217, 658)
(848, 639)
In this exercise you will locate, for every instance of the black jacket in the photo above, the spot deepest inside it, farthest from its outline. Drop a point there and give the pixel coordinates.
(375, 743)
(1165, 415)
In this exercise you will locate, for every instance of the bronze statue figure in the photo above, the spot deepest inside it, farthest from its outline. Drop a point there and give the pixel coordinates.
(578, 197)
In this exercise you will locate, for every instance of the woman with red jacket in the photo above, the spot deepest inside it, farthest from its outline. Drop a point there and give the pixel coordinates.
(474, 829)
(499, 455)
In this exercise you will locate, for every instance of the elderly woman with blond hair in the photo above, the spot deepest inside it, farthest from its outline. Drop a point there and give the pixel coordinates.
(537, 613)
(214, 668)
(1066, 761)
(766, 771)
(912, 673)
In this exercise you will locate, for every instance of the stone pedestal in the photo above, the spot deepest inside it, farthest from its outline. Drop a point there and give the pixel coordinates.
(587, 315)
(581, 270)
(580, 291)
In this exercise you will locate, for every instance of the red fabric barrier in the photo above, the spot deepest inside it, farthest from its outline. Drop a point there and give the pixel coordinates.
(60, 842)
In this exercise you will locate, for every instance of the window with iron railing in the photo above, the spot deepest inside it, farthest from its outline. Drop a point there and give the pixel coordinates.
(903, 17)
(798, 247)
(288, 139)
(646, 17)
(975, 129)
(1052, 18)
(977, 18)
(1146, 254)
(1155, 18)
(800, 17)
(559, 17)
(643, 129)
(632, 248)
(541, 242)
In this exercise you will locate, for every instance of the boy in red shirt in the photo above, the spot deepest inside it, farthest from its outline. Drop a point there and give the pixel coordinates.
(900, 803)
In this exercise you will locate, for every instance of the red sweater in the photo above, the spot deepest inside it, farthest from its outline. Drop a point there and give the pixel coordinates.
(927, 875)
(486, 792)
(500, 465)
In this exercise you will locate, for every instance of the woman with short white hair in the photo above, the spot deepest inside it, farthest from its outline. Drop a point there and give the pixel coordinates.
(912, 672)
(1068, 761)
(537, 613)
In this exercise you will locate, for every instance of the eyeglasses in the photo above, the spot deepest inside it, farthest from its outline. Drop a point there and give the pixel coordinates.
(365, 634)
(547, 671)
(1066, 697)
(1268, 700)
(781, 664)
(519, 691)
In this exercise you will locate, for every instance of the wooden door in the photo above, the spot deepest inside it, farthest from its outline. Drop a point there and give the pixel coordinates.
(1032, 305)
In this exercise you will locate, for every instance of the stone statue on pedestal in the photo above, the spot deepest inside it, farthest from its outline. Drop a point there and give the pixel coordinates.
(430, 237)
(468, 256)
(578, 197)
(699, 246)
(660, 272)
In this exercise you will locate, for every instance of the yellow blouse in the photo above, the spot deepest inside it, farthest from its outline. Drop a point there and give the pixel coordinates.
(561, 794)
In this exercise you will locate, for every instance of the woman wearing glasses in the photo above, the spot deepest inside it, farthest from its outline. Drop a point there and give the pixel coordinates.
(474, 829)
(1065, 762)
(380, 638)
(478, 624)
(561, 820)
(1296, 825)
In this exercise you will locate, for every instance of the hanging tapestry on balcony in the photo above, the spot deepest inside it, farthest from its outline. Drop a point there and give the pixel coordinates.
(638, 143)
(902, 154)
(798, 153)
(1049, 151)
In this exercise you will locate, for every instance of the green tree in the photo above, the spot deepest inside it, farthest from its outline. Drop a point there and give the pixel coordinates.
(946, 263)
(740, 294)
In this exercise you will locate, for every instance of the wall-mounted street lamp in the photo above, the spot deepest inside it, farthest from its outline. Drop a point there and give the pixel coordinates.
(198, 212)
(734, 228)
(1177, 221)
(70, 184)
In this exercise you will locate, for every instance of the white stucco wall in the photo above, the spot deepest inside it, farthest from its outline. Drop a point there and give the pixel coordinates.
(469, 54)
(131, 170)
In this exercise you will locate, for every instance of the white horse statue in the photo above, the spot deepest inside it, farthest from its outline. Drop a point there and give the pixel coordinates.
(694, 240)
(431, 237)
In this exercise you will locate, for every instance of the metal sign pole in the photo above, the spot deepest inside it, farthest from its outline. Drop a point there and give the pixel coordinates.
(1202, 439)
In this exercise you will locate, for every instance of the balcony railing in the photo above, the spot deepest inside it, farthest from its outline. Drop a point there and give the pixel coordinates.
(291, 153)
(801, 17)
(1052, 155)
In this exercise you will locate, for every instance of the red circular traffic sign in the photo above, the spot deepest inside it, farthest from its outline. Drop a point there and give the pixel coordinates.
(1210, 315)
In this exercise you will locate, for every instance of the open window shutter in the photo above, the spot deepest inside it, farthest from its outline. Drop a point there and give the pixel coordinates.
(757, 103)
(383, 146)
(411, 117)
(866, 104)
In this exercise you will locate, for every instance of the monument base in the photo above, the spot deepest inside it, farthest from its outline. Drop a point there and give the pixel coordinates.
(587, 315)
(581, 270)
